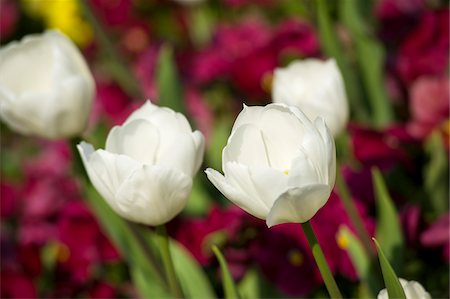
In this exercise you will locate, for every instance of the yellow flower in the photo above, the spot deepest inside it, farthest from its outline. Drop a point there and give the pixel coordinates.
(64, 15)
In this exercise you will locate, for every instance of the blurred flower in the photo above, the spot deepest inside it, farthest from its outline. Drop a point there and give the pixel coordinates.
(413, 290)
(15, 284)
(316, 87)
(381, 148)
(429, 105)
(199, 111)
(199, 234)
(286, 261)
(326, 224)
(145, 172)
(410, 216)
(425, 49)
(437, 235)
(63, 15)
(8, 203)
(82, 244)
(9, 15)
(278, 165)
(46, 87)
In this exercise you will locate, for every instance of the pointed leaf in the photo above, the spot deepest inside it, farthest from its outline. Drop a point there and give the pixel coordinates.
(249, 286)
(388, 229)
(391, 281)
(119, 232)
(436, 175)
(228, 283)
(194, 282)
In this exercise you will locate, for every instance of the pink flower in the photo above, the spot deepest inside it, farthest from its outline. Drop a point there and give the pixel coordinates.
(9, 15)
(437, 235)
(14, 284)
(284, 258)
(197, 235)
(84, 241)
(8, 202)
(429, 105)
(199, 111)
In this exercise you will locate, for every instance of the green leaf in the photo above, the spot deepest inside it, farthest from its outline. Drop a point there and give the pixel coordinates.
(118, 230)
(391, 281)
(388, 229)
(168, 82)
(249, 287)
(194, 282)
(199, 200)
(347, 241)
(370, 57)
(228, 283)
(436, 175)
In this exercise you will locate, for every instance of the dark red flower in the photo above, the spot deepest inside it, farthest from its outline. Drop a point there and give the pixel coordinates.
(437, 235)
(425, 50)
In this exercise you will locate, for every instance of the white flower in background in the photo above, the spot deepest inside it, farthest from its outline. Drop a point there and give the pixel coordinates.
(46, 88)
(277, 164)
(316, 87)
(412, 289)
(145, 171)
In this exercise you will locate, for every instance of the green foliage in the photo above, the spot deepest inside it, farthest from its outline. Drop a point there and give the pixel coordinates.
(388, 229)
(393, 286)
(370, 56)
(168, 82)
(229, 286)
(436, 176)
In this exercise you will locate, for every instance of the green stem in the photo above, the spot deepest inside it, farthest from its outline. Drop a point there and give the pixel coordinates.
(324, 269)
(119, 67)
(169, 268)
(352, 212)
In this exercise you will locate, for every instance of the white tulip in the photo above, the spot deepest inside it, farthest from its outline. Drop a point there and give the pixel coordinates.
(412, 289)
(46, 88)
(145, 172)
(316, 87)
(277, 164)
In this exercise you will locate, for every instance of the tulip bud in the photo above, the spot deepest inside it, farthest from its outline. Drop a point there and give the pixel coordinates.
(145, 171)
(46, 88)
(317, 88)
(412, 289)
(277, 164)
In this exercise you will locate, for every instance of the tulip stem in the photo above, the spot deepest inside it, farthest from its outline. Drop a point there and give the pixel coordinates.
(352, 212)
(324, 269)
(164, 245)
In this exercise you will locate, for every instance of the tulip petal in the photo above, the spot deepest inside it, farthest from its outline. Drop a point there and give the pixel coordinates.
(237, 195)
(303, 172)
(153, 195)
(281, 129)
(199, 142)
(178, 150)
(138, 139)
(161, 117)
(246, 146)
(298, 204)
(330, 149)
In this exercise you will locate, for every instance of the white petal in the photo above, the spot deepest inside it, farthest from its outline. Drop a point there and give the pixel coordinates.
(153, 195)
(161, 117)
(177, 150)
(237, 195)
(282, 131)
(298, 204)
(138, 139)
(330, 149)
(303, 172)
(262, 185)
(199, 141)
(246, 146)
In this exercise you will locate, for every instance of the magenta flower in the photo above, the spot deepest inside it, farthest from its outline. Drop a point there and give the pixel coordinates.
(429, 105)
